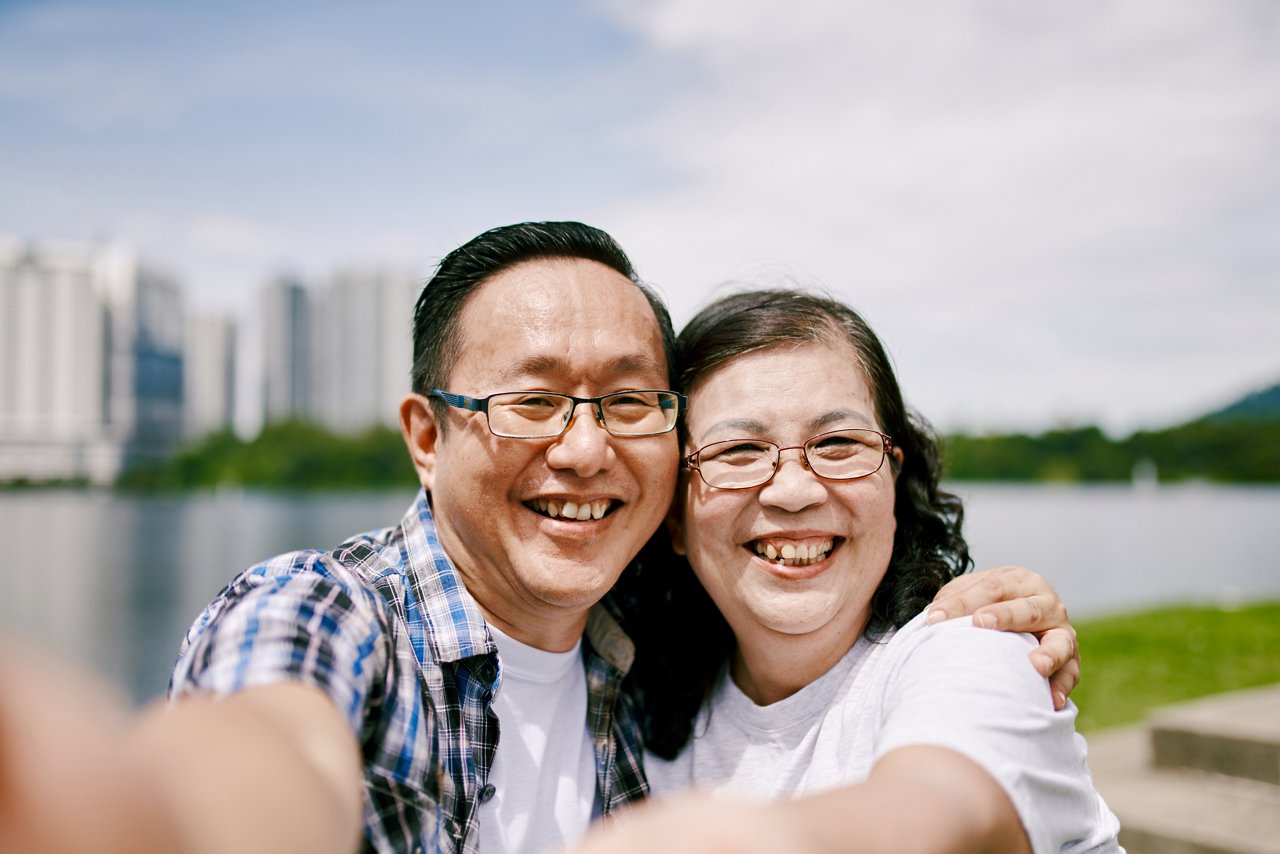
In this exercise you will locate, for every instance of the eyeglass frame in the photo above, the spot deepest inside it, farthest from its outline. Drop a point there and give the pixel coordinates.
(692, 463)
(481, 404)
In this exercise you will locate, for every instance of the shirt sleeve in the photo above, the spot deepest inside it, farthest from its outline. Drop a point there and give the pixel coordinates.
(288, 619)
(974, 691)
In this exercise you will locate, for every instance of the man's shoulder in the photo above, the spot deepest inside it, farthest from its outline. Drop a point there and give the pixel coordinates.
(382, 562)
(366, 572)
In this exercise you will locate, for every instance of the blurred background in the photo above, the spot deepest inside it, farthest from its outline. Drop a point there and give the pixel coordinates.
(1062, 219)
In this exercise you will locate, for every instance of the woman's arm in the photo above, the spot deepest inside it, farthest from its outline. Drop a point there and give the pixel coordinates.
(917, 799)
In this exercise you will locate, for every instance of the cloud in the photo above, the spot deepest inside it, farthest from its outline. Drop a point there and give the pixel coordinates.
(1088, 180)
(1048, 210)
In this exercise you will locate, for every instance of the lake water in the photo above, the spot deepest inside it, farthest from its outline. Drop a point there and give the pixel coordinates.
(113, 581)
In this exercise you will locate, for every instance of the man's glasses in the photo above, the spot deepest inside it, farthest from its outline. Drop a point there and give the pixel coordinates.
(744, 463)
(545, 415)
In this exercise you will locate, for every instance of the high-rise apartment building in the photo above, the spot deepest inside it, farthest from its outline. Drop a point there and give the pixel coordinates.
(90, 361)
(340, 353)
(286, 350)
(209, 375)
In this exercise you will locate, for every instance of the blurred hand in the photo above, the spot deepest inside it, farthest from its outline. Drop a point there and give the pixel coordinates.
(1014, 599)
(694, 823)
(67, 784)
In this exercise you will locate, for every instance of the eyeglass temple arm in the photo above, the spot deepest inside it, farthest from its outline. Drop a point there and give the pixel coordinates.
(462, 401)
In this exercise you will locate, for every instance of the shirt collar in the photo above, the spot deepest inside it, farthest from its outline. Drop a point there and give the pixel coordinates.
(609, 640)
(455, 625)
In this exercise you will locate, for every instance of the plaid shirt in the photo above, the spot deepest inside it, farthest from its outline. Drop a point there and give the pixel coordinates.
(383, 625)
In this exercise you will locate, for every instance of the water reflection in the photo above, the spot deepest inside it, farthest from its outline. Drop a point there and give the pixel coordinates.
(113, 581)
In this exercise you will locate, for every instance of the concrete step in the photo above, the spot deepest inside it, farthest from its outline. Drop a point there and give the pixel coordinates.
(1175, 809)
(1235, 734)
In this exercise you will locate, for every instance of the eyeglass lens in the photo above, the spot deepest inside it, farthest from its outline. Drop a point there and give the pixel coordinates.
(840, 455)
(543, 414)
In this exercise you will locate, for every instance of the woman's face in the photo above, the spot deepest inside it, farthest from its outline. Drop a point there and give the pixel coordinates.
(841, 531)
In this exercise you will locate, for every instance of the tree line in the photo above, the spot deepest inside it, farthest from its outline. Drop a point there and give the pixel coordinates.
(303, 456)
(1228, 451)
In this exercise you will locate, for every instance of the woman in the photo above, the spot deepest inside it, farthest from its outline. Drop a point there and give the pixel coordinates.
(812, 517)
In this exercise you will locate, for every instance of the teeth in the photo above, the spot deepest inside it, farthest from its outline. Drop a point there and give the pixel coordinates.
(571, 509)
(794, 553)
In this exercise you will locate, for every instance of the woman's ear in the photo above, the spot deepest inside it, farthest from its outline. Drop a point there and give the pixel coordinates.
(896, 453)
(421, 433)
(675, 521)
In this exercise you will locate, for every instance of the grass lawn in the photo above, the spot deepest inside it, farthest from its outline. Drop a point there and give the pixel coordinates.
(1135, 662)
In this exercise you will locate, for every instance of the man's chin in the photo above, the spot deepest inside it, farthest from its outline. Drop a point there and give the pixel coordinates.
(565, 584)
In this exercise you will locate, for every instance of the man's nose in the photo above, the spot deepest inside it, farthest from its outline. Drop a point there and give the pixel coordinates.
(585, 446)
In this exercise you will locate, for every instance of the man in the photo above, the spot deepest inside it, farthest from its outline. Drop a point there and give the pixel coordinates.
(538, 503)
(367, 686)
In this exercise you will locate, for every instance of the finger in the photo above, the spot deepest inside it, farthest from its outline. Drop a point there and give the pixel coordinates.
(969, 593)
(1063, 682)
(1034, 614)
(1057, 649)
(961, 583)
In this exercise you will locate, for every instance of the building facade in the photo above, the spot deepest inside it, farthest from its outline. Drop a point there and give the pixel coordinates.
(90, 361)
(339, 353)
(209, 376)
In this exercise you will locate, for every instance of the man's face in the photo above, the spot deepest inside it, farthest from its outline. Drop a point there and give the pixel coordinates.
(561, 325)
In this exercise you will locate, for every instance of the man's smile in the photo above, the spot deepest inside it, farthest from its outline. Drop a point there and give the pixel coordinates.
(566, 508)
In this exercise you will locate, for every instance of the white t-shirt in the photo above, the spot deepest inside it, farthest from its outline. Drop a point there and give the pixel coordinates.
(544, 770)
(951, 685)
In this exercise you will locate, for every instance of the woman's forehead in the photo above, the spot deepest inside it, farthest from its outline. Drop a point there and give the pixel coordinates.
(817, 385)
(785, 366)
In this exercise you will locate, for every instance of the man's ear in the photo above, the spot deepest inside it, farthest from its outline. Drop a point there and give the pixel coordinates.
(896, 453)
(421, 434)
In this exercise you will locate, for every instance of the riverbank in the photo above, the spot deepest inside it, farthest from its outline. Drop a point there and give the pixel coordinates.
(1135, 662)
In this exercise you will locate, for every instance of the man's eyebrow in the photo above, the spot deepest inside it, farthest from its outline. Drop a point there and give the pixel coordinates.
(551, 366)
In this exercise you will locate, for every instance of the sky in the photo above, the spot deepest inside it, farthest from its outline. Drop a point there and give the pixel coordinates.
(1053, 214)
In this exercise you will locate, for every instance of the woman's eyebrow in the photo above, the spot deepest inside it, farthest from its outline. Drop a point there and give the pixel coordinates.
(838, 416)
(751, 428)
(742, 426)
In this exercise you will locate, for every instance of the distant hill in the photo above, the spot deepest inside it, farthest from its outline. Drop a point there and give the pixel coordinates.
(1260, 406)
(1235, 444)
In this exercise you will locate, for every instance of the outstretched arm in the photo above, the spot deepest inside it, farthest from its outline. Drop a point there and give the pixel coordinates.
(1014, 599)
(921, 799)
(271, 769)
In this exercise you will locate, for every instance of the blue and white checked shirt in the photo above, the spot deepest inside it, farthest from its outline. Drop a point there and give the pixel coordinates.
(384, 626)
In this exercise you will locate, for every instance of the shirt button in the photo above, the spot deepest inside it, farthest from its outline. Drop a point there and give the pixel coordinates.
(487, 791)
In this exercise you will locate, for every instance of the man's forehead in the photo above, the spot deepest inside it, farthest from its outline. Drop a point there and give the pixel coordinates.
(561, 318)
(559, 284)
(623, 365)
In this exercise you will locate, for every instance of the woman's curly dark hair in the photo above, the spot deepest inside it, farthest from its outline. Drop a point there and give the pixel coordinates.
(682, 640)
